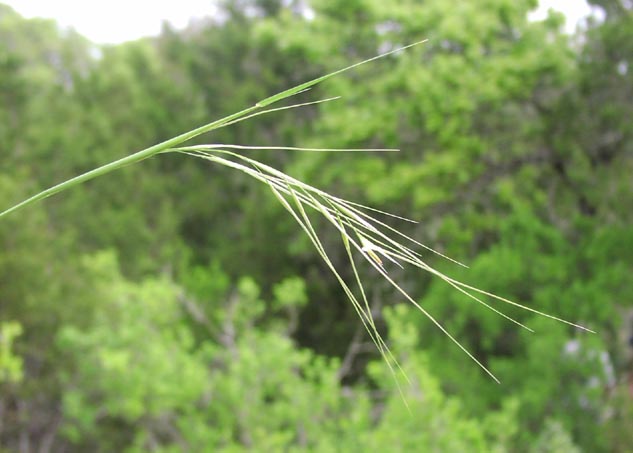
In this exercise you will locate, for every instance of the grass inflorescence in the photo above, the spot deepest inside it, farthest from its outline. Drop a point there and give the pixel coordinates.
(362, 233)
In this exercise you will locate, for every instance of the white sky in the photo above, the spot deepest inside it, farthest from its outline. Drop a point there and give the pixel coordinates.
(115, 21)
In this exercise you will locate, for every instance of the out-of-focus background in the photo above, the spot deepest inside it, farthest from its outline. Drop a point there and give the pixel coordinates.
(175, 306)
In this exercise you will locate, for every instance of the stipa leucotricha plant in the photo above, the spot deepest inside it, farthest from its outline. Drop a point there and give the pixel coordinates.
(362, 233)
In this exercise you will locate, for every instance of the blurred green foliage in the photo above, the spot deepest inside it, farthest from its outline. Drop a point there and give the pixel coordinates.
(174, 306)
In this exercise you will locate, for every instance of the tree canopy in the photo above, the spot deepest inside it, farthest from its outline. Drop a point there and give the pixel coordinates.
(175, 306)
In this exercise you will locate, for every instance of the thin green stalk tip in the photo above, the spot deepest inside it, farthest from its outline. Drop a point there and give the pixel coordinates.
(174, 142)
